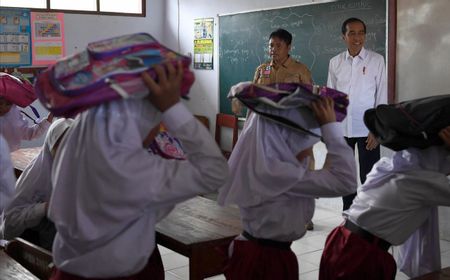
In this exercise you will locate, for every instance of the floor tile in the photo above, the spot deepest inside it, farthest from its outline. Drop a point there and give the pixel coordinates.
(174, 260)
(181, 272)
(312, 275)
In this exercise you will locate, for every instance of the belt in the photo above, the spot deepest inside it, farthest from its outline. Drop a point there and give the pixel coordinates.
(268, 242)
(364, 234)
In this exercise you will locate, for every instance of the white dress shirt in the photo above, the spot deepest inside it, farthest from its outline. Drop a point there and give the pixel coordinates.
(274, 191)
(7, 178)
(15, 128)
(399, 193)
(363, 78)
(109, 192)
(34, 187)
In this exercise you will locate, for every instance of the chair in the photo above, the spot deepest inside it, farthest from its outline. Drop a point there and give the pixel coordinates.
(204, 120)
(229, 121)
(34, 258)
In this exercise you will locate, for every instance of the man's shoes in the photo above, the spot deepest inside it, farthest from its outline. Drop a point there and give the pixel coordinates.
(309, 225)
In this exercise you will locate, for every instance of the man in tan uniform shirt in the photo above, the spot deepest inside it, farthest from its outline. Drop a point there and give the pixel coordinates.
(281, 69)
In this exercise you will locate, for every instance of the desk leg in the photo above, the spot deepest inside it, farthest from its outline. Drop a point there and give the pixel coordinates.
(206, 260)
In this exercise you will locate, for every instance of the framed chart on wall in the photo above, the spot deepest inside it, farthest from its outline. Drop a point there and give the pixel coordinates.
(15, 37)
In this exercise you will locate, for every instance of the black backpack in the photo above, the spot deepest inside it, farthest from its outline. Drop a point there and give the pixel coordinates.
(415, 123)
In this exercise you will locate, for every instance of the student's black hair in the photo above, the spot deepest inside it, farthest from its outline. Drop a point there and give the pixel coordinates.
(283, 35)
(351, 20)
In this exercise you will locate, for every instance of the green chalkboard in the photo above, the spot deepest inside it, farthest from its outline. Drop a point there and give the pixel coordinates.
(317, 37)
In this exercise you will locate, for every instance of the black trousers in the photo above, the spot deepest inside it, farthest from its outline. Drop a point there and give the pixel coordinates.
(366, 161)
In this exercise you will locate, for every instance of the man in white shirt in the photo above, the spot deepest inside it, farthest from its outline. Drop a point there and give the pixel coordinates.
(362, 75)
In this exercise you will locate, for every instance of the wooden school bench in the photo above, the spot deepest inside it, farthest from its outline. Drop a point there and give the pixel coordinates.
(34, 258)
(22, 157)
(12, 270)
(195, 229)
(443, 274)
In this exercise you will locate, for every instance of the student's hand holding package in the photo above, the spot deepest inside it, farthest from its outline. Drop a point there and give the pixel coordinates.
(323, 109)
(371, 142)
(166, 91)
(445, 135)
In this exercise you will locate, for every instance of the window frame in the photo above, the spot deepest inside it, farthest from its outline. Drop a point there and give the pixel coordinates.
(97, 12)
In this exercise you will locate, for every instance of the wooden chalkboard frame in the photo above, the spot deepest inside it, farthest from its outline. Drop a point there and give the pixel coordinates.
(391, 37)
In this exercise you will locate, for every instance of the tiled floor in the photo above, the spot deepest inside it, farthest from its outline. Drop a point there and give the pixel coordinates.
(308, 250)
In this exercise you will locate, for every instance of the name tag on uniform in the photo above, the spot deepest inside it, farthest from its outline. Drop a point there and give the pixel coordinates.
(266, 71)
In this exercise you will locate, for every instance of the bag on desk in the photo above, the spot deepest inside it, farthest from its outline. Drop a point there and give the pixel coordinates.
(107, 70)
(288, 103)
(16, 91)
(415, 123)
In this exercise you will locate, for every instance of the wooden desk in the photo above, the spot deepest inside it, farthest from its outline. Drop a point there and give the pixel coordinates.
(443, 274)
(12, 270)
(194, 229)
(22, 157)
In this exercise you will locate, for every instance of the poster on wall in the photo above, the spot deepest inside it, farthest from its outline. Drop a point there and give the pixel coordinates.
(204, 43)
(47, 33)
(15, 37)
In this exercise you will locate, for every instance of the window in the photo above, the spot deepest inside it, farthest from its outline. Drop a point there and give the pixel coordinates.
(78, 5)
(36, 4)
(108, 7)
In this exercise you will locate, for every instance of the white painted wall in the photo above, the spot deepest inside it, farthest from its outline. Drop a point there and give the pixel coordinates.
(423, 48)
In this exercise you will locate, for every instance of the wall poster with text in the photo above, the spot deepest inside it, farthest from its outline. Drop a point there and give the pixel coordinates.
(48, 37)
(15, 37)
(203, 43)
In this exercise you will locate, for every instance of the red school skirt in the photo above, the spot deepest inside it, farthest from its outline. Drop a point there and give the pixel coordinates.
(348, 256)
(154, 270)
(254, 261)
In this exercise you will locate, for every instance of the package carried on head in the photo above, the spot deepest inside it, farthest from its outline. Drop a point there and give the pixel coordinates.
(415, 123)
(107, 70)
(289, 103)
(16, 91)
(167, 146)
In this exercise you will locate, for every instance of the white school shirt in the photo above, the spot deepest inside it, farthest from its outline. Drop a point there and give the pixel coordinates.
(33, 189)
(274, 191)
(399, 193)
(15, 128)
(7, 178)
(363, 78)
(109, 192)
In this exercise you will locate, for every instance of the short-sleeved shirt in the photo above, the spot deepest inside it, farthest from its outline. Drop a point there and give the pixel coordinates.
(291, 71)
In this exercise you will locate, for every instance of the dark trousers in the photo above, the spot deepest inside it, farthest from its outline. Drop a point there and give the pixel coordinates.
(366, 161)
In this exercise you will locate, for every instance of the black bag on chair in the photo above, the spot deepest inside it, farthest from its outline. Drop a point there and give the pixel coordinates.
(415, 123)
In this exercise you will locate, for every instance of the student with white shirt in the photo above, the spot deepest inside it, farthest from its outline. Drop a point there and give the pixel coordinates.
(26, 215)
(109, 192)
(361, 74)
(16, 128)
(275, 190)
(7, 178)
(398, 200)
